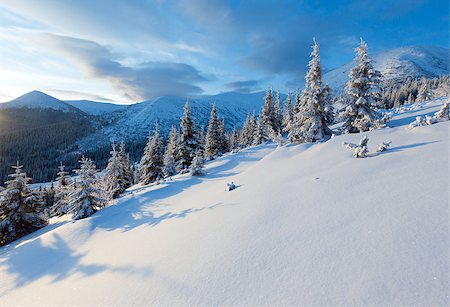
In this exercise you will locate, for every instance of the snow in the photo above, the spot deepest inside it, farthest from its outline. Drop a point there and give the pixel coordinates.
(95, 107)
(398, 64)
(307, 225)
(36, 99)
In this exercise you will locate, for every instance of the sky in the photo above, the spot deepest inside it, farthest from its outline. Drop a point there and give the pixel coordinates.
(125, 51)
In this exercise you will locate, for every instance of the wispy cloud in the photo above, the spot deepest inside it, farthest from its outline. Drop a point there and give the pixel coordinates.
(244, 86)
(148, 80)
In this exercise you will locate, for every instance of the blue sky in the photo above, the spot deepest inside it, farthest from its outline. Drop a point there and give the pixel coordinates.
(130, 50)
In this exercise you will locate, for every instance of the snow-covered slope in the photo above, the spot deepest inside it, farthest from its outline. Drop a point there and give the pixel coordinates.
(399, 64)
(95, 107)
(36, 99)
(138, 120)
(307, 225)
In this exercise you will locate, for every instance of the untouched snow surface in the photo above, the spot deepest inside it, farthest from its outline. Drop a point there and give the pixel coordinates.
(95, 107)
(307, 225)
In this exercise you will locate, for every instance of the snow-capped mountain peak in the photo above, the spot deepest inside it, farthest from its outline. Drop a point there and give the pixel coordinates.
(37, 99)
(399, 64)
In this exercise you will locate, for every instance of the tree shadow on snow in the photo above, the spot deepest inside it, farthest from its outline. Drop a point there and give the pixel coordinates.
(401, 148)
(56, 261)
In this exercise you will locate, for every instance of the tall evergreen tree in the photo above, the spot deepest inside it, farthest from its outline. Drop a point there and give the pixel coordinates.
(86, 197)
(18, 208)
(310, 122)
(234, 141)
(62, 192)
(287, 115)
(170, 153)
(112, 176)
(213, 135)
(363, 92)
(247, 132)
(278, 114)
(126, 171)
(260, 134)
(188, 141)
(223, 140)
(267, 114)
(151, 166)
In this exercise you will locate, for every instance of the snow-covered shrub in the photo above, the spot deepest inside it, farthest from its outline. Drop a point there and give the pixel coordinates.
(231, 186)
(430, 120)
(383, 146)
(359, 151)
(443, 113)
(418, 122)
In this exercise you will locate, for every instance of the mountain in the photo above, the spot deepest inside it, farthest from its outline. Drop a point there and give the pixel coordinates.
(308, 225)
(398, 64)
(136, 121)
(95, 107)
(37, 99)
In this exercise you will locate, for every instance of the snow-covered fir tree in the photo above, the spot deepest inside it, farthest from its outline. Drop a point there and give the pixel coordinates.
(170, 153)
(87, 196)
(224, 145)
(443, 113)
(278, 114)
(63, 189)
(422, 93)
(19, 205)
(198, 164)
(247, 132)
(363, 92)
(267, 114)
(151, 166)
(126, 172)
(112, 176)
(260, 134)
(359, 150)
(287, 115)
(213, 141)
(234, 140)
(188, 143)
(310, 121)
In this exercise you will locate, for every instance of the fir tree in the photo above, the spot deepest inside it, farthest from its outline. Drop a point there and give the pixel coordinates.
(112, 177)
(310, 121)
(247, 132)
(19, 214)
(86, 197)
(213, 135)
(188, 141)
(170, 154)
(422, 93)
(267, 113)
(278, 115)
(62, 192)
(198, 163)
(260, 135)
(151, 166)
(223, 140)
(362, 88)
(234, 141)
(287, 116)
(126, 171)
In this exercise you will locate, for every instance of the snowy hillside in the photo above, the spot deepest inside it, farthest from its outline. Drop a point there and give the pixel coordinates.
(36, 99)
(136, 121)
(399, 64)
(95, 107)
(308, 225)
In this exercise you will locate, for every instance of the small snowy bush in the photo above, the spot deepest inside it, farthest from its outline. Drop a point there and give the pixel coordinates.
(383, 146)
(443, 113)
(359, 151)
(231, 186)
